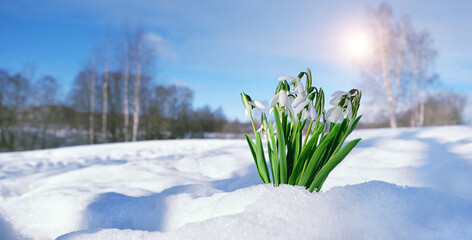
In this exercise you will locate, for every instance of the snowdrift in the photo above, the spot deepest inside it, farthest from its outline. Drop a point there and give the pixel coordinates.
(397, 184)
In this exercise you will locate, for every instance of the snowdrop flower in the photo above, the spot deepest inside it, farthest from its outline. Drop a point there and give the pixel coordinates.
(258, 105)
(337, 96)
(307, 109)
(281, 98)
(255, 105)
(281, 78)
(301, 106)
(251, 104)
(264, 124)
(312, 111)
(298, 100)
(297, 86)
(335, 114)
(342, 107)
(348, 109)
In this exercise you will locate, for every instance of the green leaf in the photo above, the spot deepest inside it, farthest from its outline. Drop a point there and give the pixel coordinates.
(331, 164)
(339, 139)
(353, 125)
(274, 161)
(263, 171)
(282, 153)
(315, 159)
(252, 146)
(297, 170)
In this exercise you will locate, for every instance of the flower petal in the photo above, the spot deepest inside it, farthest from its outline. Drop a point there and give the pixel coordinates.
(335, 114)
(274, 100)
(259, 105)
(335, 101)
(299, 99)
(301, 106)
(281, 78)
(338, 94)
(312, 111)
(299, 89)
(283, 98)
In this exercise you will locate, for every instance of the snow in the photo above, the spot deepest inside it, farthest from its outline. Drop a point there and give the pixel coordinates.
(396, 184)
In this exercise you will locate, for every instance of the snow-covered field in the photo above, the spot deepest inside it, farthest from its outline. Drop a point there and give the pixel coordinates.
(397, 184)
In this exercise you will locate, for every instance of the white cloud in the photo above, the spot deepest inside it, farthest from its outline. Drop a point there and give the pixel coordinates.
(161, 45)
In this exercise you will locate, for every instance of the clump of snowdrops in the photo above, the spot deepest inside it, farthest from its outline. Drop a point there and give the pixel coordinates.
(305, 142)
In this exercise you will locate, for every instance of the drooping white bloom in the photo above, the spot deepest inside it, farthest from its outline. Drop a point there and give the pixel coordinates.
(337, 97)
(301, 106)
(299, 89)
(312, 110)
(258, 104)
(339, 111)
(281, 98)
(264, 124)
(335, 114)
(307, 109)
(299, 99)
(281, 78)
(348, 109)
(250, 104)
(290, 100)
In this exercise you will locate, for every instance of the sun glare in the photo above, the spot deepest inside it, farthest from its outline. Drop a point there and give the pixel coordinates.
(359, 46)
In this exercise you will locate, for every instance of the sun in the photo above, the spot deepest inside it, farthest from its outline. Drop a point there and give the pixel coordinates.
(359, 46)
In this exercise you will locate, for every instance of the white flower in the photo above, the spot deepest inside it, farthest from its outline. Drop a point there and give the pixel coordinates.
(337, 97)
(251, 104)
(301, 106)
(258, 104)
(264, 125)
(335, 114)
(312, 111)
(281, 78)
(299, 99)
(299, 89)
(347, 110)
(280, 98)
(339, 111)
(307, 109)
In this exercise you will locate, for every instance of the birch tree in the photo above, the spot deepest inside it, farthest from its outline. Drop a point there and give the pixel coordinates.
(422, 56)
(137, 84)
(399, 64)
(379, 68)
(142, 58)
(126, 88)
(92, 76)
(105, 91)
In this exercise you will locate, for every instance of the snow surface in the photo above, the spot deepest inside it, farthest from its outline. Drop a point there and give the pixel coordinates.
(396, 184)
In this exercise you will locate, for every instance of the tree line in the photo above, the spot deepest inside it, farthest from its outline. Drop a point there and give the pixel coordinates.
(103, 104)
(33, 115)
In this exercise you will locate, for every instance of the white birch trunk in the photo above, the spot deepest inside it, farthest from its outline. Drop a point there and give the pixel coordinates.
(422, 93)
(105, 100)
(125, 93)
(92, 107)
(137, 89)
(414, 95)
(388, 88)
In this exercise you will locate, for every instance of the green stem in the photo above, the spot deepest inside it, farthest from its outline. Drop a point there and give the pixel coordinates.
(252, 121)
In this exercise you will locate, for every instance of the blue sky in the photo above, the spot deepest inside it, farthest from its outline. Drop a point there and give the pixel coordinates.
(220, 48)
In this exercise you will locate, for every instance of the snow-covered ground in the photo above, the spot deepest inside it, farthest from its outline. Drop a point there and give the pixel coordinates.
(396, 184)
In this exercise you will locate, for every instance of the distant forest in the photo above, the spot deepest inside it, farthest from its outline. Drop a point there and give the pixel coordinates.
(33, 116)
